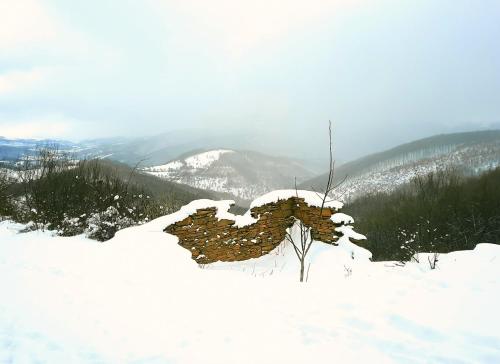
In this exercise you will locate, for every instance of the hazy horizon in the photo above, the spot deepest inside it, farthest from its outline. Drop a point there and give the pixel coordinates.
(385, 72)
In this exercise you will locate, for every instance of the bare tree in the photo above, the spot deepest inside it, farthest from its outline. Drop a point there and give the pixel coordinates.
(4, 181)
(5, 198)
(433, 260)
(302, 241)
(34, 169)
(302, 244)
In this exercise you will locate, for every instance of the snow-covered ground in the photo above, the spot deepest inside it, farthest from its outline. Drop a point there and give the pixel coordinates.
(139, 298)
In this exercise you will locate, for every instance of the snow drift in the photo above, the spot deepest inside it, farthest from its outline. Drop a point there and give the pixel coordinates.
(139, 298)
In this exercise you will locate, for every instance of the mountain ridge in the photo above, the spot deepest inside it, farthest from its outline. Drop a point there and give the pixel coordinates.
(242, 173)
(469, 151)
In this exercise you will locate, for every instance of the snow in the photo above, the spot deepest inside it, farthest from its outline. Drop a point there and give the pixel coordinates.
(310, 197)
(166, 167)
(206, 159)
(348, 232)
(197, 161)
(392, 174)
(140, 298)
(10, 173)
(222, 207)
(341, 218)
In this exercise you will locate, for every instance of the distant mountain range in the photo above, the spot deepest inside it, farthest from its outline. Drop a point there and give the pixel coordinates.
(157, 149)
(470, 152)
(243, 174)
(230, 172)
(14, 149)
(221, 173)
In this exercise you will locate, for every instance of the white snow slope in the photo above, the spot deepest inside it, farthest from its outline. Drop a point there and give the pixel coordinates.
(139, 298)
(243, 174)
(388, 176)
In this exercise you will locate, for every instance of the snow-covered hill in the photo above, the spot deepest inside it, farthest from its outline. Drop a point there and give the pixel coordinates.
(471, 160)
(243, 174)
(470, 153)
(139, 298)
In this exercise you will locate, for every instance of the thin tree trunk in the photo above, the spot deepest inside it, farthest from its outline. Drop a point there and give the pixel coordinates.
(302, 270)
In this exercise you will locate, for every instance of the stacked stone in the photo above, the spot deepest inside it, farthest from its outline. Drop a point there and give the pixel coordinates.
(210, 239)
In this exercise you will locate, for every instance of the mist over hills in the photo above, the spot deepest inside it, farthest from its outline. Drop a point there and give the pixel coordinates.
(243, 174)
(158, 149)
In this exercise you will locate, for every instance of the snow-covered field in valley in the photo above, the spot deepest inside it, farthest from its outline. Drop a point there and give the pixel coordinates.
(139, 298)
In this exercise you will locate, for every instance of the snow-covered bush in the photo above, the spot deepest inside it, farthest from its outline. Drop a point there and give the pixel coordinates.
(410, 246)
(75, 197)
(103, 225)
(72, 225)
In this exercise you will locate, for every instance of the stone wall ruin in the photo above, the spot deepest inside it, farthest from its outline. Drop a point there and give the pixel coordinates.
(210, 239)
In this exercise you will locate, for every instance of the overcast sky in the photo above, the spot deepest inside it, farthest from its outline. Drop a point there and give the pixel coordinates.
(385, 71)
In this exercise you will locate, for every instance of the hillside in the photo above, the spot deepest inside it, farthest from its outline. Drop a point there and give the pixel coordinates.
(160, 188)
(440, 212)
(155, 185)
(470, 152)
(243, 174)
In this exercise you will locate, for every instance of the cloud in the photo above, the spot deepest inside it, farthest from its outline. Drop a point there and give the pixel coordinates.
(50, 126)
(22, 81)
(236, 28)
(25, 21)
(35, 32)
(101, 68)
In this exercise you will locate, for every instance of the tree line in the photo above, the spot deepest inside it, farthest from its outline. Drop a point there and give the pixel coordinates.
(54, 192)
(441, 212)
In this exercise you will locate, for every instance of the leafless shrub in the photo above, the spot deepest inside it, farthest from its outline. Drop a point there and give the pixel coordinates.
(302, 244)
(433, 260)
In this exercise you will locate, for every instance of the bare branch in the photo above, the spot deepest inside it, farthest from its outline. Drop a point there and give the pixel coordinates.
(306, 239)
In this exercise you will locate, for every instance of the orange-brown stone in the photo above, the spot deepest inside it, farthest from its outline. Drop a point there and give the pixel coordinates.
(210, 239)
